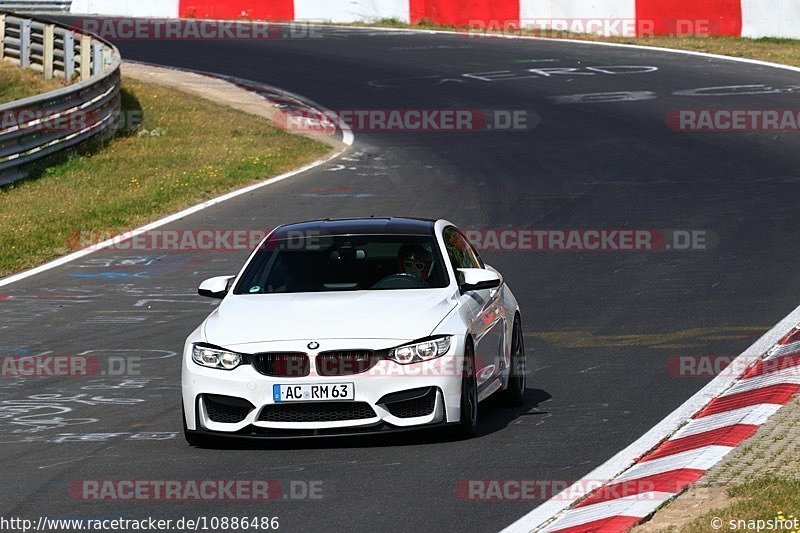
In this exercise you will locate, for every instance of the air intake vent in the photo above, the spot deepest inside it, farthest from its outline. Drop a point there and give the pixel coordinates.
(420, 406)
(317, 412)
(226, 409)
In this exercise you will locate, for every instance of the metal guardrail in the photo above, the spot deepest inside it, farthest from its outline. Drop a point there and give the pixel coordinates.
(43, 125)
(35, 6)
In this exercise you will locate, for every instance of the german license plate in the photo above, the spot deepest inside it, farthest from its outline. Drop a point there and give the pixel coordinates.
(313, 392)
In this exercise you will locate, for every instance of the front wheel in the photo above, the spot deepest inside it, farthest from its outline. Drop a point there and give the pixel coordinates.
(468, 426)
(514, 395)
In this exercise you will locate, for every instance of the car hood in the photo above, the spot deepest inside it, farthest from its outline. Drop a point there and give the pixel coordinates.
(397, 314)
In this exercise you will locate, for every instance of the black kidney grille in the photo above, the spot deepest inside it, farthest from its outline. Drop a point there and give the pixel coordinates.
(422, 406)
(316, 412)
(226, 409)
(282, 365)
(347, 362)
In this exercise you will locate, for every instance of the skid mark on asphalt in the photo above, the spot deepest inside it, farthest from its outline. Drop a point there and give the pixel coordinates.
(97, 304)
(338, 195)
(82, 402)
(687, 338)
(22, 308)
(114, 319)
(110, 275)
(321, 466)
(567, 74)
(131, 268)
(38, 413)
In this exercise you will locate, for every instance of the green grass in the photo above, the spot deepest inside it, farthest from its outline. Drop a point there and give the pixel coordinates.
(186, 150)
(17, 83)
(766, 498)
(390, 22)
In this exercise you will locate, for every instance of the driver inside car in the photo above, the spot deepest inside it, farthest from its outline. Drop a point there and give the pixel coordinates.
(416, 261)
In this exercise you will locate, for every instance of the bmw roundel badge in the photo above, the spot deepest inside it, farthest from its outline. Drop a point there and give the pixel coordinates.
(313, 345)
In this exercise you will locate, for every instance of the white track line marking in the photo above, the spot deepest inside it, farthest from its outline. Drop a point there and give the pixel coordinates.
(786, 349)
(638, 505)
(697, 459)
(753, 415)
(787, 376)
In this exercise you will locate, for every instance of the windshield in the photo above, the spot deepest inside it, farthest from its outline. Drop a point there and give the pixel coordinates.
(344, 263)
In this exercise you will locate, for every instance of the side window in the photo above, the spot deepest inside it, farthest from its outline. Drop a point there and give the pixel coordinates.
(473, 253)
(460, 251)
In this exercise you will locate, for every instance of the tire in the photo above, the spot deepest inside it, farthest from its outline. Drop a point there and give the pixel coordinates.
(468, 425)
(514, 394)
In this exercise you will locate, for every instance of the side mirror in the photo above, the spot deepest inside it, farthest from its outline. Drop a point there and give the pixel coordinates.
(215, 287)
(478, 279)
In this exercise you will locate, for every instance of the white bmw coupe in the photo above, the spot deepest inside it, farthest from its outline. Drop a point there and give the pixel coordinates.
(353, 326)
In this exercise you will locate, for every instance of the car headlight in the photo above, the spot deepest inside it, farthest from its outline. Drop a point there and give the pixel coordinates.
(211, 357)
(420, 351)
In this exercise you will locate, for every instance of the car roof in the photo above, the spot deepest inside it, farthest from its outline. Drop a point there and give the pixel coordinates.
(360, 226)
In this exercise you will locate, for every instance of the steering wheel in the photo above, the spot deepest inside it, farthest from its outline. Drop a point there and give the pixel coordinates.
(401, 280)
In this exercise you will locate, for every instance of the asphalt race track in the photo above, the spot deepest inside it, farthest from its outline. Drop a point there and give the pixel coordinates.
(600, 326)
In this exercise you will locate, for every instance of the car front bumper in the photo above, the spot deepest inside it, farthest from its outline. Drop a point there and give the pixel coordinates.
(384, 400)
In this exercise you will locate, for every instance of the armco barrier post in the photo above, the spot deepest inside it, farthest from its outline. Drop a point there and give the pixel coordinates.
(2, 36)
(25, 43)
(49, 52)
(97, 58)
(69, 55)
(86, 57)
(107, 54)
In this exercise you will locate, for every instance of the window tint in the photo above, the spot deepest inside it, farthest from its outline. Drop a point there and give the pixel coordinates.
(345, 263)
(460, 251)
